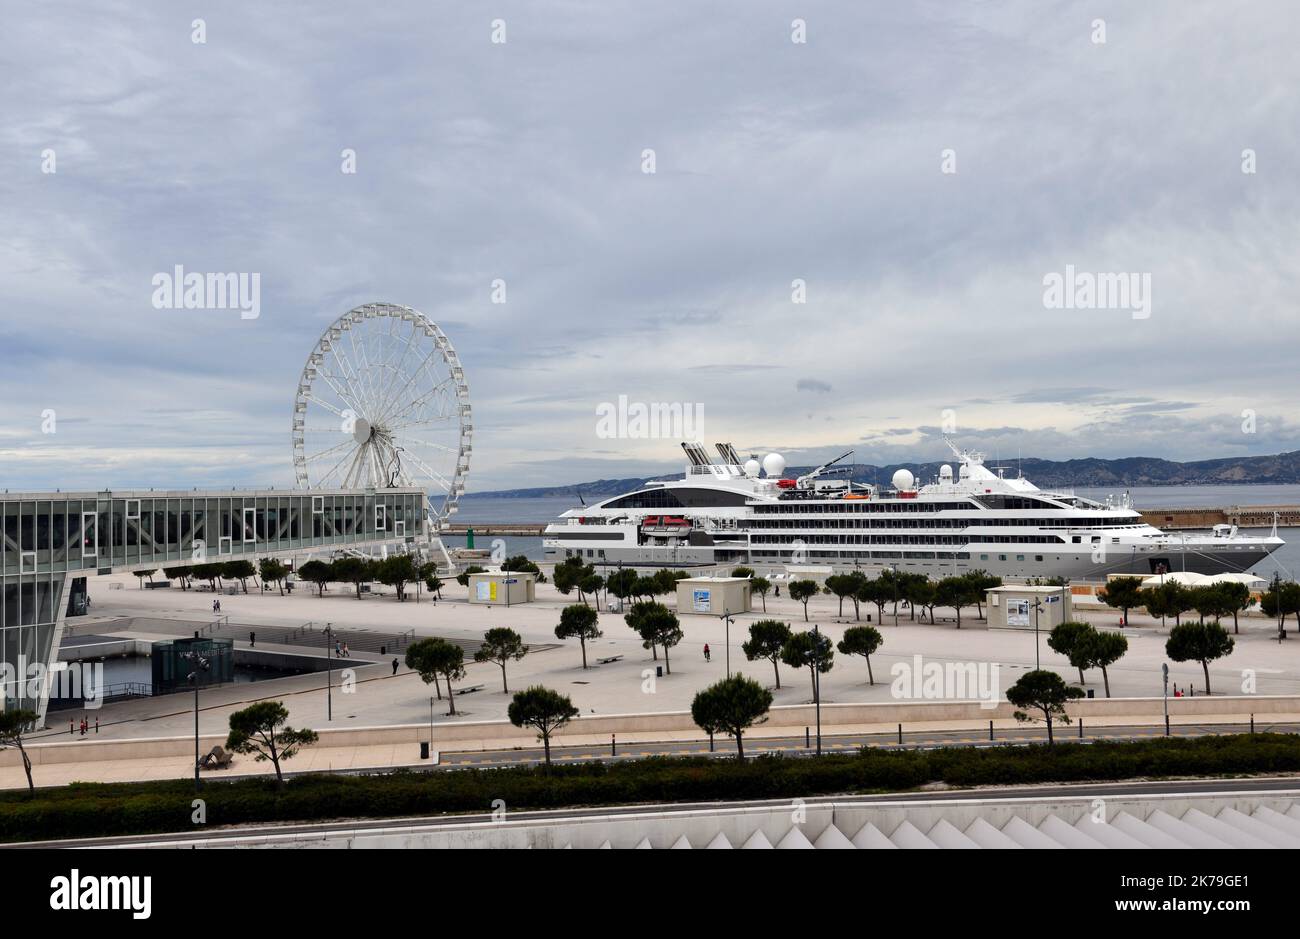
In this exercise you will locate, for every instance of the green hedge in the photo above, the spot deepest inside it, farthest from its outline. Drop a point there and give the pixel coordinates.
(103, 809)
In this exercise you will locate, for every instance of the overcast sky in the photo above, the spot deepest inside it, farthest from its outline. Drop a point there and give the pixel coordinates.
(775, 161)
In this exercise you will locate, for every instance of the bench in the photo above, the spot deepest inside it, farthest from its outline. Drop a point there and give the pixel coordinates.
(470, 690)
(217, 758)
(608, 659)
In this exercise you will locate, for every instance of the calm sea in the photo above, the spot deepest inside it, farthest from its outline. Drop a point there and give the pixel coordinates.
(1287, 559)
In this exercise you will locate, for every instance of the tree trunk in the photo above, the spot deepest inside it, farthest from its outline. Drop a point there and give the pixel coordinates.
(740, 746)
(870, 674)
(451, 697)
(1105, 678)
(1206, 667)
(583, 643)
(764, 603)
(27, 767)
(503, 678)
(805, 611)
(1049, 727)
(668, 668)
(1081, 678)
(546, 747)
(776, 670)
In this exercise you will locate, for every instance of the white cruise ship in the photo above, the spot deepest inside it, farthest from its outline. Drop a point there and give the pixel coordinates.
(729, 512)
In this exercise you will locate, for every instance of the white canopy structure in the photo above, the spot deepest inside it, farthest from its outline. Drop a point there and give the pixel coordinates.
(1186, 578)
(1250, 580)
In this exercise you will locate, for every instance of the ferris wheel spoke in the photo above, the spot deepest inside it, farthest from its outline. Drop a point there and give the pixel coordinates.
(420, 400)
(326, 477)
(329, 380)
(436, 446)
(432, 473)
(414, 375)
(349, 376)
(364, 363)
(311, 396)
(408, 343)
(332, 450)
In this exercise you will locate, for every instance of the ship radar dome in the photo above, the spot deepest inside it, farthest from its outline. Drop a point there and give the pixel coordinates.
(774, 465)
(903, 480)
(751, 468)
(945, 472)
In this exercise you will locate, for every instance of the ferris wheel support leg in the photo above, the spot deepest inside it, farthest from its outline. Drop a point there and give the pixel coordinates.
(443, 548)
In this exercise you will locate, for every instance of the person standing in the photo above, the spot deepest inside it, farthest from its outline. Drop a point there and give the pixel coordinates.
(706, 653)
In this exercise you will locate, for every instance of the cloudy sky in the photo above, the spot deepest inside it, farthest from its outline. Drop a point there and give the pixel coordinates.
(775, 162)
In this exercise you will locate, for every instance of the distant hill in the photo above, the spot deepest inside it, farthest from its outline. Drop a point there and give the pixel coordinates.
(1283, 468)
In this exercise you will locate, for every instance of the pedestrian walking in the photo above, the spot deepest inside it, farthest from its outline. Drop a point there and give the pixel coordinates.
(338, 648)
(347, 653)
(394, 666)
(252, 640)
(706, 653)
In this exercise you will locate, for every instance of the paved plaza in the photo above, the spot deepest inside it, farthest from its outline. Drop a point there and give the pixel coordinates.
(379, 697)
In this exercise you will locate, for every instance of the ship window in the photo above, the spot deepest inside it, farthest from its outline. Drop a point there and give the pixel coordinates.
(1038, 557)
(678, 499)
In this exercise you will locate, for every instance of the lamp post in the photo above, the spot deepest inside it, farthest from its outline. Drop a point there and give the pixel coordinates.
(199, 664)
(1277, 597)
(894, 568)
(726, 617)
(329, 673)
(1164, 671)
(818, 653)
(1037, 661)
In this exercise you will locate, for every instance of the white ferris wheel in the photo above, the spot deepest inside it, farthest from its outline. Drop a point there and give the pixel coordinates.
(383, 402)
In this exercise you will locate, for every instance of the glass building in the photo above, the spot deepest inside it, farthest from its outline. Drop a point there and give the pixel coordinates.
(50, 542)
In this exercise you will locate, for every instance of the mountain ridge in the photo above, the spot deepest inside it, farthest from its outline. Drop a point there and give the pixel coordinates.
(1086, 472)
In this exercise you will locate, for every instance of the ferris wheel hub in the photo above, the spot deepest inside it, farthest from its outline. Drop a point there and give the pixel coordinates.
(361, 430)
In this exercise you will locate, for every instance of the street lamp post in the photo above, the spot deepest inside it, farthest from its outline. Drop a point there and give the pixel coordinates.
(329, 673)
(1164, 671)
(726, 617)
(199, 664)
(817, 682)
(1281, 616)
(894, 568)
(1037, 660)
